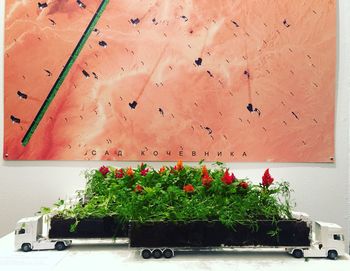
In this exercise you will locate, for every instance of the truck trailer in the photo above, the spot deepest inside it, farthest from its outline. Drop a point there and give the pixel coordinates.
(300, 236)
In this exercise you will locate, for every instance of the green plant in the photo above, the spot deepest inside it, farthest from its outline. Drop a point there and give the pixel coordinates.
(181, 193)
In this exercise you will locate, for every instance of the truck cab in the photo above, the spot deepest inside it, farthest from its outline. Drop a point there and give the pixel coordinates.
(30, 234)
(327, 241)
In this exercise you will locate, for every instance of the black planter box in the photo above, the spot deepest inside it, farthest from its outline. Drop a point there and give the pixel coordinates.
(108, 227)
(293, 233)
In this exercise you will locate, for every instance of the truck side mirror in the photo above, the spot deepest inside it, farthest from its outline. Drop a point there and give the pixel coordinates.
(320, 246)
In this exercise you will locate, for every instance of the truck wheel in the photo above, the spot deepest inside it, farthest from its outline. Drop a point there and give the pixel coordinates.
(168, 253)
(157, 253)
(60, 246)
(26, 247)
(332, 254)
(298, 253)
(146, 253)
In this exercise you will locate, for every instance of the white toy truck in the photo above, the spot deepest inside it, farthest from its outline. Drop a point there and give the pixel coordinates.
(327, 241)
(163, 239)
(31, 234)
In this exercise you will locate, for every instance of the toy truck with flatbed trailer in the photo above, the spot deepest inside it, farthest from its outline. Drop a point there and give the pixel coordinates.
(300, 237)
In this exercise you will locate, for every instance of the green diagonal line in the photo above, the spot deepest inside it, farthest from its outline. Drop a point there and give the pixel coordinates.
(64, 73)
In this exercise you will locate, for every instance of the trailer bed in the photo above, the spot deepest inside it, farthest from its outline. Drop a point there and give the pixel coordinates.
(200, 234)
(94, 228)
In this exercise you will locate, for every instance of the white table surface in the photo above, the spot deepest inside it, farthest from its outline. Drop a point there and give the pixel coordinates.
(105, 257)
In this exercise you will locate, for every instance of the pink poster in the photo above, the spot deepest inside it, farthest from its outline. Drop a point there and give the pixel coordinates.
(169, 80)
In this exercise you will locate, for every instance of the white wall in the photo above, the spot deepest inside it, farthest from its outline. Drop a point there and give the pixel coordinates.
(321, 190)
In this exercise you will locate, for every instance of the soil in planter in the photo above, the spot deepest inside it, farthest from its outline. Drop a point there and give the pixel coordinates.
(108, 227)
(214, 234)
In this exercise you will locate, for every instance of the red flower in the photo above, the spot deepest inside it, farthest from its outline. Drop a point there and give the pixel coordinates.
(179, 166)
(138, 188)
(188, 188)
(244, 185)
(205, 171)
(267, 179)
(104, 170)
(227, 178)
(206, 180)
(144, 172)
(130, 172)
(162, 170)
(119, 173)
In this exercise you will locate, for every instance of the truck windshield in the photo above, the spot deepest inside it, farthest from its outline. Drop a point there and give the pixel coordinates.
(338, 237)
(21, 231)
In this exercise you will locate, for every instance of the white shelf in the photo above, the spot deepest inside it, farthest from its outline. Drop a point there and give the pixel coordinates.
(103, 257)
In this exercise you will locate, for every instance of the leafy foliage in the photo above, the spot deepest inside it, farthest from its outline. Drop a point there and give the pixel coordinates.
(180, 193)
